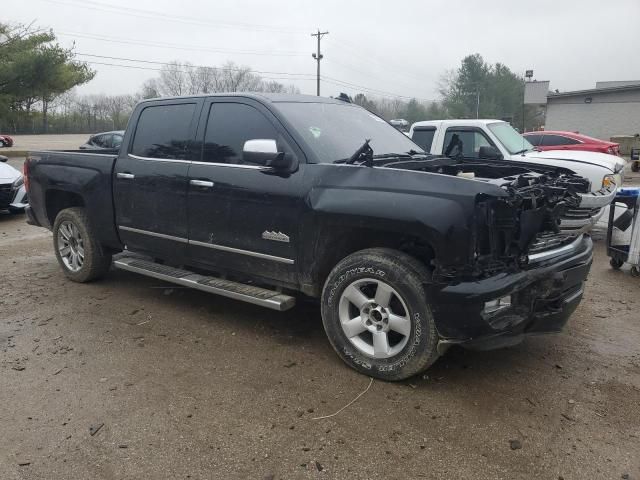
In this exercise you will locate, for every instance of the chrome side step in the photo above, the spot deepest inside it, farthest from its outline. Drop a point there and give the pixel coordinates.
(238, 291)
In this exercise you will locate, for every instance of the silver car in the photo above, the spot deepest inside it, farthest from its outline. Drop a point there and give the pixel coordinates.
(13, 195)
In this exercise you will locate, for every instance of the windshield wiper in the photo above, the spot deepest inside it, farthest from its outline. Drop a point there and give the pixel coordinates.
(363, 155)
(524, 150)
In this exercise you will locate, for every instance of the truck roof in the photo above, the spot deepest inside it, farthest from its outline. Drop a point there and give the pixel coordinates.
(468, 122)
(264, 97)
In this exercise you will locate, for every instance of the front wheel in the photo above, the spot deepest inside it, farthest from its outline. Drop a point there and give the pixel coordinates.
(78, 251)
(376, 314)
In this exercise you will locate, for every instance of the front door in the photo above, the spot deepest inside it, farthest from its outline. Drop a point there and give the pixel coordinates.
(243, 217)
(150, 180)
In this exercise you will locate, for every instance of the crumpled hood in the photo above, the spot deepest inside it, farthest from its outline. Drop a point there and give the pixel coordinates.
(610, 162)
(8, 173)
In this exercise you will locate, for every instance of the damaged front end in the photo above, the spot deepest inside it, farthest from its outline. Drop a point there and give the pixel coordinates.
(527, 222)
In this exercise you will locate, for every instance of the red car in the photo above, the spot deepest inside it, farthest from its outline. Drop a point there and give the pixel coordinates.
(6, 141)
(557, 140)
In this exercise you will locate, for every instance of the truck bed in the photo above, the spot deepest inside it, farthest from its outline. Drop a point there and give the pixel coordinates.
(58, 176)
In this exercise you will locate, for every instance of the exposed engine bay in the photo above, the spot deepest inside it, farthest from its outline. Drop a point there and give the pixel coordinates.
(528, 220)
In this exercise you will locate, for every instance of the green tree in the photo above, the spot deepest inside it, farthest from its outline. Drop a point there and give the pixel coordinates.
(480, 89)
(35, 69)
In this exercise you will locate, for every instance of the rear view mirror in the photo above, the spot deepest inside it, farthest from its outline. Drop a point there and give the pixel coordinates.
(489, 152)
(265, 152)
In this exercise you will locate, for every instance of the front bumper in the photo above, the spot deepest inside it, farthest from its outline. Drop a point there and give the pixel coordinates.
(543, 297)
(13, 198)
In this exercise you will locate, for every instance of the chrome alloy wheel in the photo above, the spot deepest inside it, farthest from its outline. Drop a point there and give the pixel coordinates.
(70, 246)
(375, 318)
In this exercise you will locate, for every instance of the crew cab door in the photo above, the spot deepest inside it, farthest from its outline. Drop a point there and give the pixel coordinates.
(243, 217)
(150, 179)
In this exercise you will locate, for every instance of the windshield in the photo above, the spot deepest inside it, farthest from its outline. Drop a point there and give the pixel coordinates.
(507, 136)
(336, 131)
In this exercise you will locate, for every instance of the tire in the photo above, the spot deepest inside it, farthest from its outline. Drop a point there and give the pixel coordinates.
(616, 263)
(79, 253)
(635, 166)
(403, 314)
(635, 271)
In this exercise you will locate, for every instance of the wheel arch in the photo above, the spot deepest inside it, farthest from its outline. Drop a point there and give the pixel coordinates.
(346, 241)
(57, 200)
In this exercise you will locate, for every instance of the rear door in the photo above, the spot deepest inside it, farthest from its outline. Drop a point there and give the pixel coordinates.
(150, 179)
(243, 217)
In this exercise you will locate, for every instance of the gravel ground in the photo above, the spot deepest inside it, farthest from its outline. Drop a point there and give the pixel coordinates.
(182, 384)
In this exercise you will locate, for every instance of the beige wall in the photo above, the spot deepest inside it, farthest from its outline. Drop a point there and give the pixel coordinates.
(614, 113)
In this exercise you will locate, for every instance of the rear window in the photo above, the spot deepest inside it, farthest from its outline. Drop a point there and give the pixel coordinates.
(424, 137)
(164, 131)
(553, 140)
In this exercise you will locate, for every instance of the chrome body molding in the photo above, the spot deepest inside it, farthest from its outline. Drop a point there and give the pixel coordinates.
(556, 252)
(153, 234)
(214, 246)
(265, 256)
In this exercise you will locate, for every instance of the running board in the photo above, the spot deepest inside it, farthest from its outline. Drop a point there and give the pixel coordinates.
(237, 291)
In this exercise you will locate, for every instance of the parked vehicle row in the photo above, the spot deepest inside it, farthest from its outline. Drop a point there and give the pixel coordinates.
(265, 197)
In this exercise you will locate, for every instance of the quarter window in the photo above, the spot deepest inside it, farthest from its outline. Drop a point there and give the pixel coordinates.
(229, 126)
(164, 131)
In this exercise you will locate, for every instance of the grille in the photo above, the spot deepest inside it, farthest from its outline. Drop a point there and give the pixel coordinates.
(549, 241)
(6, 195)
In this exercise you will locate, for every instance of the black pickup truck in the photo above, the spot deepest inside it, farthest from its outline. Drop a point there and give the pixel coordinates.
(263, 198)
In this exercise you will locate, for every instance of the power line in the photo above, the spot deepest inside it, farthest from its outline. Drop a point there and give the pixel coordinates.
(128, 41)
(138, 67)
(140, 13)
(239, 69)
(342, 83)
(318, 57)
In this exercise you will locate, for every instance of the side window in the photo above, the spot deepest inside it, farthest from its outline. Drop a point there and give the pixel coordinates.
(98, 141)
(163, 131)
(464, 143)
(534, 139)
(228, 127)
(551, 140)
(424, 137)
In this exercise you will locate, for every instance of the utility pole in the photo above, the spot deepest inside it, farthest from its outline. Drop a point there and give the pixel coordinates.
(318, 56)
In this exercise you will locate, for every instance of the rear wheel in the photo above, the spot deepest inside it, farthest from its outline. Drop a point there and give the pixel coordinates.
(80, 255)
(376, 314)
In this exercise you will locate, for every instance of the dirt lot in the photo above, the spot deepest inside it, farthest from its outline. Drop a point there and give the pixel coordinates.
(182, 384)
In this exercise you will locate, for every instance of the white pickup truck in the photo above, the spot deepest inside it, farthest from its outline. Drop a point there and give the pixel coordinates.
(496, 139)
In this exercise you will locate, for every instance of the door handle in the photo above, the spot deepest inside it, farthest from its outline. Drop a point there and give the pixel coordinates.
(201, 183)
(128, 176)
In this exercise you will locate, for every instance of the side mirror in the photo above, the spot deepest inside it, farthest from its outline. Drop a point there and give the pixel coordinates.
(265, 152)
(490, 153)
(3, 158)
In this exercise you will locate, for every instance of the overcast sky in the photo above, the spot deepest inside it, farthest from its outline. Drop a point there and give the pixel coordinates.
(399, 47)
